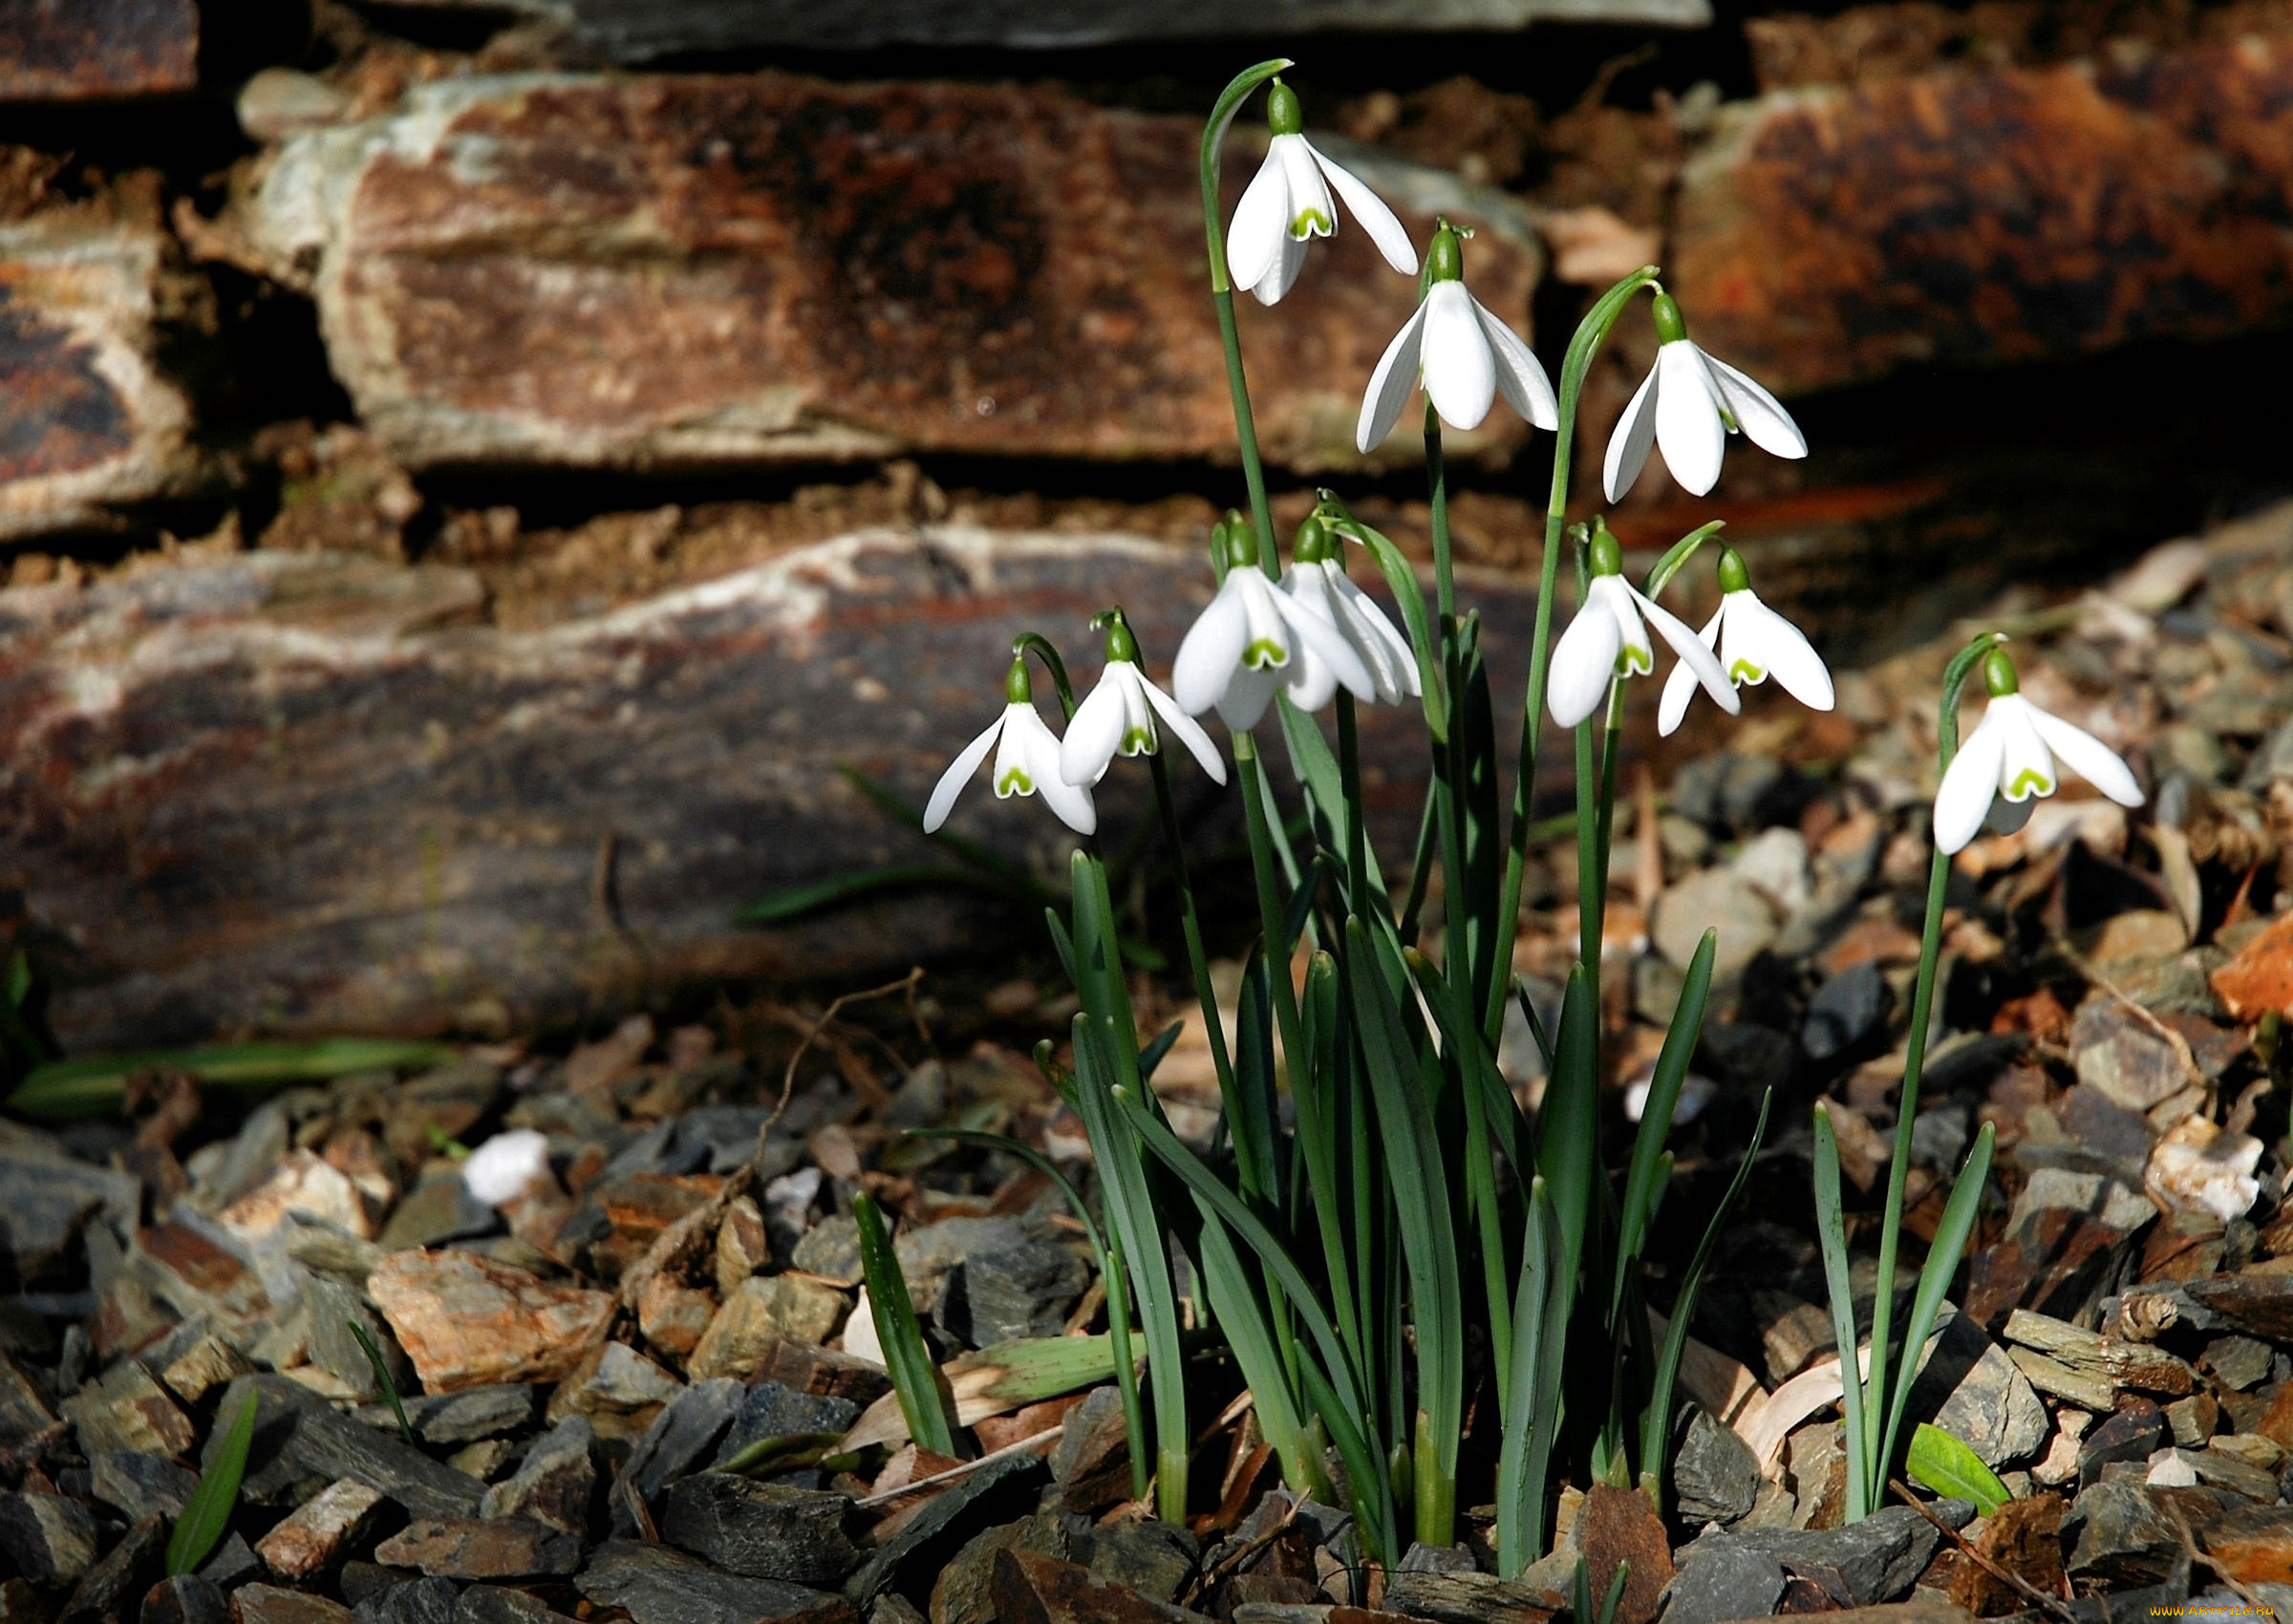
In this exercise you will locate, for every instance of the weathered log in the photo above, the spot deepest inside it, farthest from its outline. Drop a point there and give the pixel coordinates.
(87, 48)
(304, 792)
(87, 418)
(639, 31)
(2006, 214)
(696, 271)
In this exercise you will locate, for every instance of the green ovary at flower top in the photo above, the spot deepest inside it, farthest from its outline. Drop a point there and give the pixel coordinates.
(1754, 643)
(1466, 357)
(1687, 406)
(2014, 752)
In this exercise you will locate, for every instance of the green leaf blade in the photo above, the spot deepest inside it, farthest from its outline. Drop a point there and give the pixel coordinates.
(1940, 1462)
(207, 1513)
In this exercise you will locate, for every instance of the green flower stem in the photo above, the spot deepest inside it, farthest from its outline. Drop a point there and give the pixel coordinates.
(1255, 1159)
(1591, 332)
(1449, 755)
(1313, 1140)
(1222, 295)
(1445, 586)
(1890, 1228)
(1591, 868)
(1611, 756)
(1876, 1398)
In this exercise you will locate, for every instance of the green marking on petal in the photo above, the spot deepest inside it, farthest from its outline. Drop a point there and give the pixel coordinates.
(1744, 670)
(1138, 741)
(1310, 221)
(1015, 781)
(1633, 662)
(2027, 783)
(1264, 652)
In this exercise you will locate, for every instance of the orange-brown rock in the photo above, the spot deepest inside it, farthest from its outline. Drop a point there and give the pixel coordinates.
(2260, 978)
(696, 271)
(1618, 1525)
(96, 48)
(1837, 233)
(466, 1321)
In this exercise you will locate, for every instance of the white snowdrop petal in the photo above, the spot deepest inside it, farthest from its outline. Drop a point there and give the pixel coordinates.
(1390, 384)
(1680, 687)
(1461, 375)
(1687, 418)
(2087, 756)
(1969, 784)
(1520, 375)
(1312, 212)
(1289, 259)
(1584, 662)
(1095, 732)
(1632, 635)
(1038, 747)
(1262, 221)
(1318, 635)
(959, 773)
(1247, 696)
(507, 1166)
(1188, 730)
(1370, 211)
(1629, 441)
(1757, 412)
(2025, 766)
(1777, 648)
(1212, 650)
(1692, 653)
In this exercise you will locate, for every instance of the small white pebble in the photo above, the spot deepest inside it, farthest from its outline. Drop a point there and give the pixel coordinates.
(2171, 1468)
(507, 1166)
(860, 1338)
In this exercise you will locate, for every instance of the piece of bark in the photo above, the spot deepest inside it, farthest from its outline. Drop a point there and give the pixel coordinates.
(88, 418)
(1828, 235)
(694, 271)
(89, 49)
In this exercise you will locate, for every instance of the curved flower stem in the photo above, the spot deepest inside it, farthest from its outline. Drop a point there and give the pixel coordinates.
(1222, 295)
(1876, 1398)
(1591, 332)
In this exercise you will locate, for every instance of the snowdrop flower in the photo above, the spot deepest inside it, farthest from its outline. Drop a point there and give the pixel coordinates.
(2013, 752)
(1287, 205)
(1252, 638)
(1754, 643)
(1026, 761)
(1608, 639)
(1689, 405)
(1466, 355)
(1316, 578)
(507, 1166)
(1118, 717)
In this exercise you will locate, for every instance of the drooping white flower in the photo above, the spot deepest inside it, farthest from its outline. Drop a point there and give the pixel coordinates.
(1608, 639)
(1687, 405)
(1317, 579)
(2015, 752)
(1754, 643)
(1250, 641)
(507, 1166)
(1119, 717)
(1287, 204)
(1026, 761)
(1466, 357)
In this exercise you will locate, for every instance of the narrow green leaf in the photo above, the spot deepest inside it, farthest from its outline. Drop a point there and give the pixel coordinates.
(1678, 555)
(1942, 1463)
(96, 1082)
(1656, 1419)
(384, 1383)
(207, 1513)
(1569, 1126)
(1641, 1188)
(1158, 1046)
(788, 1450)
(1520, 1491)
(915, 1375)
(1951, 1237)
(1401, 579)
(1831, 1237)
(834, 892)
(1242, 1314)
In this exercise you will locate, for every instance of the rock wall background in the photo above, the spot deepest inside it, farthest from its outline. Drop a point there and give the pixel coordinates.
(469, 476)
